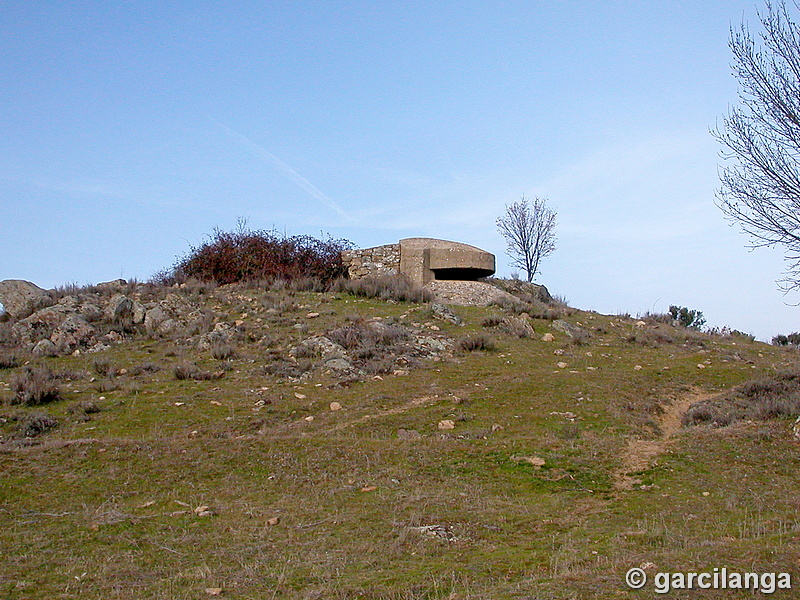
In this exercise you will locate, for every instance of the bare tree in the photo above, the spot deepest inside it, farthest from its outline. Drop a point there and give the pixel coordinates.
(761, 190)
(529, 230)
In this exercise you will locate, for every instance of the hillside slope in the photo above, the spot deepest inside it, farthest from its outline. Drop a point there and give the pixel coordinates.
(271, 443)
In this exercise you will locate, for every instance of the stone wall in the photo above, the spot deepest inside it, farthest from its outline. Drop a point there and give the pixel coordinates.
(381, 260)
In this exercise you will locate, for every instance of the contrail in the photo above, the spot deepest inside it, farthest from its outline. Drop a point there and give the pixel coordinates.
(276, 162)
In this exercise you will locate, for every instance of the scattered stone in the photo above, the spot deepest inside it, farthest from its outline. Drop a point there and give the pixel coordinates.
(440, 311)
(447, 424)
(272, 521)
(548, 337)
(203, 511)
(558, 351)
(312, 315)
(497, 427)
(335, 406)
(214, 591)
(443, 532)
(637, 367)
(640, 324)
(561, 365)
(369, 488)
(309, 418)
(701, 366)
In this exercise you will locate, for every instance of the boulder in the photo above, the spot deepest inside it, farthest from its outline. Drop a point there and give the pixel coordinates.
(40, 324)
(73, 334)
(119, 308)
(20, 298)
(45, 347)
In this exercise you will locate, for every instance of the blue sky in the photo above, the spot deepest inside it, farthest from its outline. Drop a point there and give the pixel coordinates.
(133, 129)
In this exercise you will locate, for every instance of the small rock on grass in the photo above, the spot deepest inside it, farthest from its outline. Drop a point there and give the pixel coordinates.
(447, 424)
(272, 521)
(335, 406)
(214, 591)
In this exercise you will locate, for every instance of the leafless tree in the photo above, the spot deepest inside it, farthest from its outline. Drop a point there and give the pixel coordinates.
(761, 189)
(529, 230)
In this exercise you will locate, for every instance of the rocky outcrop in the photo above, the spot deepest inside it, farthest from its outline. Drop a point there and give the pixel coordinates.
(20, 298)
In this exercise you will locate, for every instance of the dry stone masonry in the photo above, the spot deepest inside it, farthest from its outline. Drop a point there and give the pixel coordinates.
(422, 260)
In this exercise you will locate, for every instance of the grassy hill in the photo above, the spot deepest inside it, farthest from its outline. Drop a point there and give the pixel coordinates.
(422, 464)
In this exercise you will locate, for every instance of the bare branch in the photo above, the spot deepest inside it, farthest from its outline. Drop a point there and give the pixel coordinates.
(529, 230)
(761, 188)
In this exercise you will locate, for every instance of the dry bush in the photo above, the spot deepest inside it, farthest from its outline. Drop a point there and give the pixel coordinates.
(187, 370)
(34, 423)
(102, 366)
(34, 386)
(245, 255)
(223, 351)
(143, 368)
(81, 410)
(760, 399)
(360, 336)
(8, 360)
(286, 369)
(387, 287)
(651, 339)
(477, 341)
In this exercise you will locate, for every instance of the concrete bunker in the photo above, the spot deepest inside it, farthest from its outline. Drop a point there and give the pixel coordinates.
(421, 260)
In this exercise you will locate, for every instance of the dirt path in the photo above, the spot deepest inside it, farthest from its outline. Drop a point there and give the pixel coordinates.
(640, 454)
(415, 403)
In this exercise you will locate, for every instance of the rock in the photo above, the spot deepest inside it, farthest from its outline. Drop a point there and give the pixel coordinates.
(40, 324)
(531, 460)
(561, 365)
(548, 337)
(138, 312)
(447, 424)
(272, 521)
(90, 311)
(116, 283)
(573, 331)
(20, 298)
(154, 318)
(338, 364)
(319, 346)
(214, 591)
(637, 367)
(72, 334)
(119, 307)
(440, 311)
(312, 315)
(45, 347)
(335, 406)
(497, 427)
(223, 333)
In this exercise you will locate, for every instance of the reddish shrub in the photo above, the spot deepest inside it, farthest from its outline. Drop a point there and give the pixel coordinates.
(245, 255)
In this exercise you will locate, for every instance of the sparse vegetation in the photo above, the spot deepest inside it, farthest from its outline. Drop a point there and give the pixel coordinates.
(691, 319)
(358, 448)
(34, 386)
(388, 287)
(476, 342)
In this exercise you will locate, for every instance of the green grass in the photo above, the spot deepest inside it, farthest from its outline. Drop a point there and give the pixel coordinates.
(104, 508)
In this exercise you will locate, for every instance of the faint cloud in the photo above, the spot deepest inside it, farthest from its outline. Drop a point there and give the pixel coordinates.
(285, 169)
